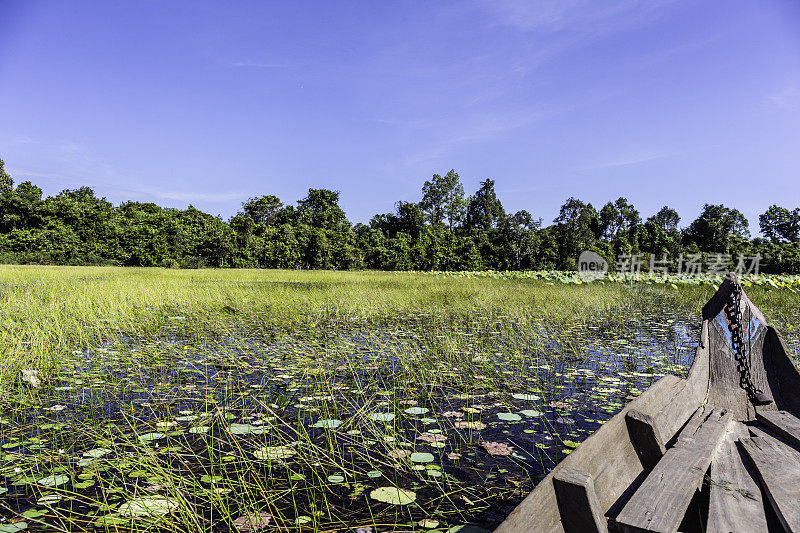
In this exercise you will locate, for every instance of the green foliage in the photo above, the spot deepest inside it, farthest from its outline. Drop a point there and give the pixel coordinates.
(6, 183)
(444, 231)
(443, 197)
(484, 210)
(778, 224)
(718, 229)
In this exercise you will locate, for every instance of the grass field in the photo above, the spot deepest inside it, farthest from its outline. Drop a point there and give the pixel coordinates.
(199, 400)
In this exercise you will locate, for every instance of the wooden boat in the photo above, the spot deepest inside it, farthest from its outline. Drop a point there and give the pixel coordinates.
(716, 451)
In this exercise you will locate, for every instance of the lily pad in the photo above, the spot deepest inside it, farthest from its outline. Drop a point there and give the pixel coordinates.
(253, 522)
(531, 413)
(382, 417)
(274, 453)
(149, 437)
(421, 457)
(329, 423)
(509, 417)
(393, 495)
(97, 452)
(417, 410)
(432, 437)
(53, 481)
(50, 499)
(13, 528)
(497, 448)
(148, 506)
(525, 397)
(247, 429)
(470, 424)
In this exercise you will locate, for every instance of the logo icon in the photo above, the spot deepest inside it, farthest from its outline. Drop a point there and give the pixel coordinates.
(591, 266)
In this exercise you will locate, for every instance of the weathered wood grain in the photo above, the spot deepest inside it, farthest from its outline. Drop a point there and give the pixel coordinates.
(725, 390)
(717, 303)
(735, 502)
(661, 501)
(778, 467)
(782, 374)
(783, 423)
(646, 438)
(673, 413)
(577, 502)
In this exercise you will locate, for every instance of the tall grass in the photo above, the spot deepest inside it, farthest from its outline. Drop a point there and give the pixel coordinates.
(45, 311)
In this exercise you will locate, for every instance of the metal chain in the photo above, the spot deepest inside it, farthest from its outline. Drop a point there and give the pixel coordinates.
(734, 311)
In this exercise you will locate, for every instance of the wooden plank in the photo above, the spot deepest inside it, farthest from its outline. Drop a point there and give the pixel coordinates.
(782, 373)
(646, 438)
(778, 467)
(735, 502)
(661, 501)
(783, 423)
(577, 502)
(674, 413)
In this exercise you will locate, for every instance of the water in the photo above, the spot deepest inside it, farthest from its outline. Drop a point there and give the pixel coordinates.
(537, 397)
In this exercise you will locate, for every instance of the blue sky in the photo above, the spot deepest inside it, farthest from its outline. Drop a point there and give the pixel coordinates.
(209, 103)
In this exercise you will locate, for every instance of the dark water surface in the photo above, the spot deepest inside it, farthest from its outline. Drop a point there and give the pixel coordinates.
(339, 414)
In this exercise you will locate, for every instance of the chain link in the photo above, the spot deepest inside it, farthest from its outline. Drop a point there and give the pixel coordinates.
(733, 309)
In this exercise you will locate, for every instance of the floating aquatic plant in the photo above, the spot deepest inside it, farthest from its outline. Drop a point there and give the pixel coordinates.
(148, 506)
(331, 423)
(393, 495)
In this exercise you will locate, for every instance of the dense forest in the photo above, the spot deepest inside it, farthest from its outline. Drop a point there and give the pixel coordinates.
(445, 230)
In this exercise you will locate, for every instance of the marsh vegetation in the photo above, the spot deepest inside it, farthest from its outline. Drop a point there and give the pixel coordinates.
(245, 400)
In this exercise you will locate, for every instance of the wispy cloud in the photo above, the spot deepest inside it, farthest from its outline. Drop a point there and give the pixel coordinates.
(447, 135)
(575, 15)
(787, 98)
(23, 174)
(77, 165)
(193, 196)
(7, 138)
(630, 158)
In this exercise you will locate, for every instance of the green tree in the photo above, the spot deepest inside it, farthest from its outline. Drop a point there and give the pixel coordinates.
(264, 210)
(660, 234)
(778, 224)
(518, 241)
(6, 183)
(619, 226)
(718, 229)
(320, 209)
(484, 209)
(443, 197)
(577, 228)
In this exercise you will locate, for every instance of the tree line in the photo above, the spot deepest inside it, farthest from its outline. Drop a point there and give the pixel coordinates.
(445, 230)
